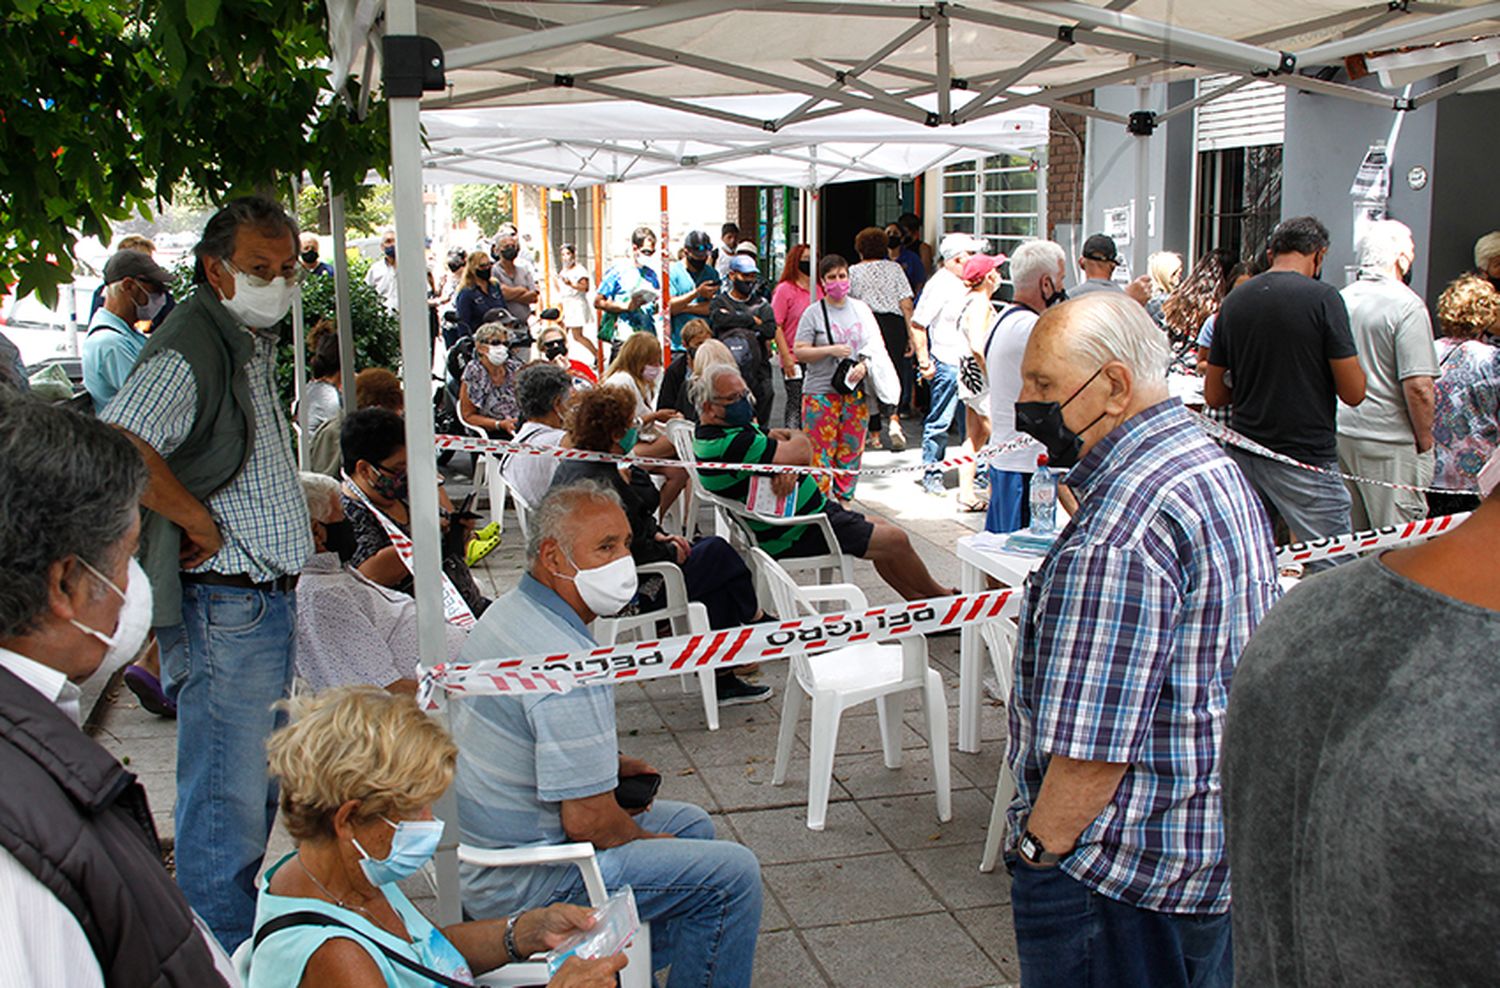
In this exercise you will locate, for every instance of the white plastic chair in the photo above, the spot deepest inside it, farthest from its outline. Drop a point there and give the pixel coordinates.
(492, 465)
(686, 618)
(848, 676)
(1000, 636)
(730, 517)
(637, 973)
(523, 512)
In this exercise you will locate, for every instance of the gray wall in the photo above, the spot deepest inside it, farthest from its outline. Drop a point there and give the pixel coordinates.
(1464, 187)
(1326, 138)
(1110, 168)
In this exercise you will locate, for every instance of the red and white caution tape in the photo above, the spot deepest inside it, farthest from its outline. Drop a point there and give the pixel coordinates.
(1220, 431)
(455, 609)
(640, 661)
(1301, 553)
(473, 444)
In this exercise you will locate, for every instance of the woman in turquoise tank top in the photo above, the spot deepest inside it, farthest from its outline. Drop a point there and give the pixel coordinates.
(359, 770)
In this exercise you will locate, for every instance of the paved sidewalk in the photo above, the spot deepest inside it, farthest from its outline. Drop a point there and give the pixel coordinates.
(885, 895)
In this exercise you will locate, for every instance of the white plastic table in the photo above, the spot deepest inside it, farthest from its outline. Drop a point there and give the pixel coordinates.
(978, 561)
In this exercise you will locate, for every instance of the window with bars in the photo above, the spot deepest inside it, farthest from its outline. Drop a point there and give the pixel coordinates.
(998, 197)
(1239, 198)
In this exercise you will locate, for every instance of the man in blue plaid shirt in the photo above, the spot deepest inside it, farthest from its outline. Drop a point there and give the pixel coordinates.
(1129, 635)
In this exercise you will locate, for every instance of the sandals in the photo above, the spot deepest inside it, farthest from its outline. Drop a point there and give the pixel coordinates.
(973, 506)
(482, 545)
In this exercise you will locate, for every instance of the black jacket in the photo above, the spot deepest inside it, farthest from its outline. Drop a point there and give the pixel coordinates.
(79, 822)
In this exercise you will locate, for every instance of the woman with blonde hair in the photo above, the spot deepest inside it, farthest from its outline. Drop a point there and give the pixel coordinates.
(360, 770)
(638, 369)
(1466, 419)
(1165, 270)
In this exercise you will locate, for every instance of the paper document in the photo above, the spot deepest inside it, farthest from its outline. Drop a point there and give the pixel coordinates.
(762, 500)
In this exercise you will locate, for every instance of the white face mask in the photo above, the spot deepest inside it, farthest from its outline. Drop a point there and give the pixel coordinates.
(497, 353)
(260, 306)
(130, 628)
(606, 589)
(154, 303)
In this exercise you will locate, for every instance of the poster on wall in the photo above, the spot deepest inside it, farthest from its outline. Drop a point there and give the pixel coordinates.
(1372, 180)
(1117, 225)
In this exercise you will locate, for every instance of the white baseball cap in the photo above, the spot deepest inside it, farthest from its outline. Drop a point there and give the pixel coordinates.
(955, 244)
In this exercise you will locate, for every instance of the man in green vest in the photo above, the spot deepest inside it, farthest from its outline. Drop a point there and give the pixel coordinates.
(223, 538)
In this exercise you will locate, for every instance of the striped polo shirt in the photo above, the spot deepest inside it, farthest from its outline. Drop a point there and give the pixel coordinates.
(748, 444)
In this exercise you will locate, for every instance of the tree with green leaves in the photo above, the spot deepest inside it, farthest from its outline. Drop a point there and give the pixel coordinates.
(106, 106)
(482, 204)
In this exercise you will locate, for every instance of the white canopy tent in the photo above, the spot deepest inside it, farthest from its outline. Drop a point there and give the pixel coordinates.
(576, 93)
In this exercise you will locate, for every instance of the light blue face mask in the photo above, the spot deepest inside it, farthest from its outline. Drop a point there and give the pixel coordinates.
(631, 437)
(412, 846)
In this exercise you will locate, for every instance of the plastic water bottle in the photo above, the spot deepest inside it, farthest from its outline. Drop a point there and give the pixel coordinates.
(1043, 498)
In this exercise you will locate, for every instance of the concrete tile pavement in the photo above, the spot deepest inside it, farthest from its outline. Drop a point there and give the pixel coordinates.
(885, 894)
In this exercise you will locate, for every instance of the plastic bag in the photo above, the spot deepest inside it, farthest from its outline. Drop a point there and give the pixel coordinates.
(51, 383)
(617, 923)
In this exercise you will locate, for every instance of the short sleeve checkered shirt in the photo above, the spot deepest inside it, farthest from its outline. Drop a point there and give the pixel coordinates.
(1129, 635)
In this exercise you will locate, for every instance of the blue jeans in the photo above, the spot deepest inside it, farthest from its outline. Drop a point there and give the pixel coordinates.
(1069, 936)
(1314, 505)
(225, 665)
(701, 896)
(940, 414)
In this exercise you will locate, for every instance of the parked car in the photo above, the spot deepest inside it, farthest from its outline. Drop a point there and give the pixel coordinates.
(43, 332)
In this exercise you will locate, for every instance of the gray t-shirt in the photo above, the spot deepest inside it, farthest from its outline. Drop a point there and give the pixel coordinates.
(852, 323)
(523, 279)
(1360, 787)
(1393, 335)
(1095, 285)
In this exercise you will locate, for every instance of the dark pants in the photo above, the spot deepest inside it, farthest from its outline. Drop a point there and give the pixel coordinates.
(718, 578)
(1069, 936)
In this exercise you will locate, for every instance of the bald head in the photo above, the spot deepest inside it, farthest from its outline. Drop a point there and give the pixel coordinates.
(1101, 357)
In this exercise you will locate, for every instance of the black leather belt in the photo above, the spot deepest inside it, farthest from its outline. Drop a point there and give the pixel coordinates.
(282, 584)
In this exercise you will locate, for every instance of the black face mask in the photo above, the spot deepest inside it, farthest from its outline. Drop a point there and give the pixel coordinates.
(805, 267)
(696, 263)
(339, 537)
(1406, 276)
(1061, 295)
(745, 288)
(553, 349)
(1043, 421)
(495, 252)
(310, 257)
(510, 253)
(893, 240)
(455, 265)
(483, 273)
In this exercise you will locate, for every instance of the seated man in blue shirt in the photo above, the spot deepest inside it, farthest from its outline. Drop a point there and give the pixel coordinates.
(543, 768)
(135, 290)
(1129, 634)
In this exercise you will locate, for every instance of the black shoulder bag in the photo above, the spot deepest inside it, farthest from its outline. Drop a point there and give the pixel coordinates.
(845, 366)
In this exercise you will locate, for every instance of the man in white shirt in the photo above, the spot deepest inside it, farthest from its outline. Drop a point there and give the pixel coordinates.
(1037, 269)
(939, 343)
(84, 898)
(382, 274)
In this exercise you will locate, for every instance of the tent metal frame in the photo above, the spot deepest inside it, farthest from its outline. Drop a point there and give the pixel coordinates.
(1158, 47)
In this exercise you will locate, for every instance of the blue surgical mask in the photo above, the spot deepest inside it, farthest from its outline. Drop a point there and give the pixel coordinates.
(739, 412)
(412, 846)
(631, 437)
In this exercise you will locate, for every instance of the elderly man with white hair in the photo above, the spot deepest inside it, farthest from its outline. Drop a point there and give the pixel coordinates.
(1129, 634)
(1487, 257)
(1037, 269)
(1388, 436)
(546, 768)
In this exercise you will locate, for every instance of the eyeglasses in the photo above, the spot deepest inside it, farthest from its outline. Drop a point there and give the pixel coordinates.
(731, 399)
(262, 275)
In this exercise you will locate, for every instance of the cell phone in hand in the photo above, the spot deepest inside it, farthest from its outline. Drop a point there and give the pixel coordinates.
(636, 792)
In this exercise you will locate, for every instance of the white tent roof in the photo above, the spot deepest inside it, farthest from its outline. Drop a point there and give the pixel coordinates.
(588, 143)
(806, 92)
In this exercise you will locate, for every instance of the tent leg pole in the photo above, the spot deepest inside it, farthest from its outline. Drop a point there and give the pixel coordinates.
(1142, 248)
(665, 304)
(341, 296)
(416, 364)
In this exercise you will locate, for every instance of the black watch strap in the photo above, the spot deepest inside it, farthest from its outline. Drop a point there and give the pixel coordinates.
(1035, 852)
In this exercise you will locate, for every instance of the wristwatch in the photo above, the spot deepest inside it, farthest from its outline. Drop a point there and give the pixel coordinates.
(1034, 852)
(516, 956)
